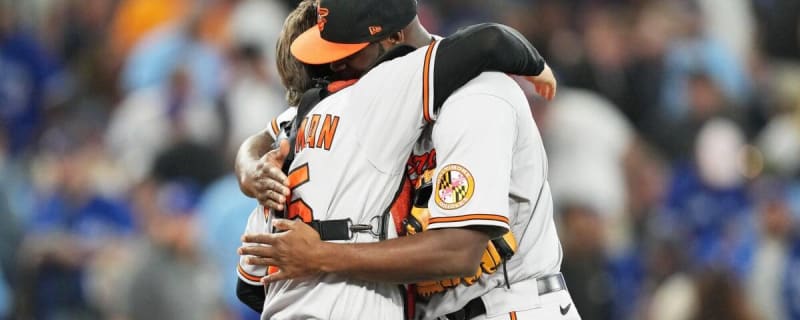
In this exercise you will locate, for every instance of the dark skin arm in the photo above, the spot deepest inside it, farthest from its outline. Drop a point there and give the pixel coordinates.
(488, 47)
(430, 255)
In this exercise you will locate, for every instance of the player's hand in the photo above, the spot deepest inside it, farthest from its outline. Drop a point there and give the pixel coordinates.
(545, 83)
(264, 180)
(294, 252)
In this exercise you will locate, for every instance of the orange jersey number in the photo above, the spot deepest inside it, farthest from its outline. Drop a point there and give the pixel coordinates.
(298, 208)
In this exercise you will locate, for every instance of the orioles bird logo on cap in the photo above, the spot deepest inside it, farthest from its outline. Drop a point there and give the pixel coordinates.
(321, 20)
(373, 30)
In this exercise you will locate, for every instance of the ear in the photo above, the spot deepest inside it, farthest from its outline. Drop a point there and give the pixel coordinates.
(394, 39)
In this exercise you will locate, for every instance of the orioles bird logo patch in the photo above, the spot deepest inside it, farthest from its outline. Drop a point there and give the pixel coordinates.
(321, 20)
(454, 187)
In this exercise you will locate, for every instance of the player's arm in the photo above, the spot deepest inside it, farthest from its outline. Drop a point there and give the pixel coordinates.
(432, 255)
(437, 254)
(452, 62)
(249, 289)
(258, 171)
(486, 47)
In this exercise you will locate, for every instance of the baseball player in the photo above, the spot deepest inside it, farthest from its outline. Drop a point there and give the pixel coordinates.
(296, 77)
(536, 288)
(346, 116)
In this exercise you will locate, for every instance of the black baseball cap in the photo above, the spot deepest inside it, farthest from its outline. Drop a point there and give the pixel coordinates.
(346, 26)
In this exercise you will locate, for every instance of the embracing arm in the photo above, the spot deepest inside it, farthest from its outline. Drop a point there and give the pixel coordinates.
(250, 152)
(430, 255)
(485, 47)
(257, 179)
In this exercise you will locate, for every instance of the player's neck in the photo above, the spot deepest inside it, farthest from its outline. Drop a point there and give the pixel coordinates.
(416, 35)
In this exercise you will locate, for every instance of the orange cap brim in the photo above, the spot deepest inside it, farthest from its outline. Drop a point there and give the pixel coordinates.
(310, 48)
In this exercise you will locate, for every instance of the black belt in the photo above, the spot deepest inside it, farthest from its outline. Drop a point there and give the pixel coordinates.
(340, 229)
(475, 307)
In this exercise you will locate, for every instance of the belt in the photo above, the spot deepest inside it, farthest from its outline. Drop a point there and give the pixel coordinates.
(551, 283)
(340, 229)
(475, 307)
(333, 229)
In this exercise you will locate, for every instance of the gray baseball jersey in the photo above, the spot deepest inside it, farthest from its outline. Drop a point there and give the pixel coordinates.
(277, 123)
(350, 152)
(491, 171)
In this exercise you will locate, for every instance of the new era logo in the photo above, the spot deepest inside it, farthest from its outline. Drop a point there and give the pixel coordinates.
(373, 30)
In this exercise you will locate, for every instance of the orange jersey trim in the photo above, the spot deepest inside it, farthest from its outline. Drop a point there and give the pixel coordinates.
(337, 86)
(247, 275)
(275, 128)
(425, 83)
(470, 217)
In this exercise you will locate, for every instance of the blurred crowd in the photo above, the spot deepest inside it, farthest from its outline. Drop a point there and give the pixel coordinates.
(673, 144)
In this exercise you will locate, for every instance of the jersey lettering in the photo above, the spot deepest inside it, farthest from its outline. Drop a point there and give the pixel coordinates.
(297, 208)
(301, 136)
(312, 130)
(327, 132)
(311, 134)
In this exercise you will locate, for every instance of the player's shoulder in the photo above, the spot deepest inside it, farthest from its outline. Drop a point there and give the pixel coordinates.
(489, 95)
(492, 84)
(398, 74)
(414, 56)
(287, 115)
(491, 81)
(284, 119)
(281, 122)
(411, 62)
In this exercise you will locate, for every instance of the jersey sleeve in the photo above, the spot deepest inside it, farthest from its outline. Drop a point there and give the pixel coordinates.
(438, 69)
(278, 123)
(473, 138)
(258, 222)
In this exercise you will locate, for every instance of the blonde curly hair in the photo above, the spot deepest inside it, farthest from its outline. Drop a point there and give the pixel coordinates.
(296, 76)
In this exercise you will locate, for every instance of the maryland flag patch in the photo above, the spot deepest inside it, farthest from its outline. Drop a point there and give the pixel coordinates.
(454, 187)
